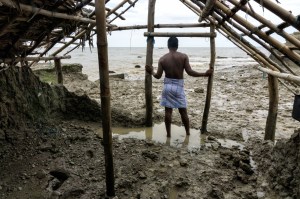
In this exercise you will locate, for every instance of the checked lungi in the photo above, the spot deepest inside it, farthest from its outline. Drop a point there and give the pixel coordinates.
(173, 95)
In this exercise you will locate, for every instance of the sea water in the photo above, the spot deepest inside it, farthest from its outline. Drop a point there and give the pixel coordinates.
(125, 59)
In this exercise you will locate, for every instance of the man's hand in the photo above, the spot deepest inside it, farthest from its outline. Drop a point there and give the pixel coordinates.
(149, 69)
(209, 72)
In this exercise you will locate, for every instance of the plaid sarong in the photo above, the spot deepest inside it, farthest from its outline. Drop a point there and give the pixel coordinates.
(173, 95)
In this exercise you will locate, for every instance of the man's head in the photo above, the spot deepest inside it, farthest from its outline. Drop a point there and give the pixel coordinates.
(173, 42)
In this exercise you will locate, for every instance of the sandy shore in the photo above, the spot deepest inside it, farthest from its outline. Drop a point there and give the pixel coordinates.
(66, 159)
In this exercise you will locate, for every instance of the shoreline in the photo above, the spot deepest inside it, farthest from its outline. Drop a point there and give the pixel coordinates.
(220, 167)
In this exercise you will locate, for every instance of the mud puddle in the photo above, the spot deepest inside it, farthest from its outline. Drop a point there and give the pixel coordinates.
(178, 138)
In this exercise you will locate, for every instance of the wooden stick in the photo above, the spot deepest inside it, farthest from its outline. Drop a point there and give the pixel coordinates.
(20, 59)
(285, 76)
(273, 108)
(4, 27)
(281, 47)
(80, 34)
(267, 61)
(268, 23)
(280, 12)
(210, 81)
(117, 7)
(47, 13)
(105, 95)
(149, 61)
(57, 64)
(120, 15)
(192, 25)
(117, 14)
(179, 34)
(207, 9)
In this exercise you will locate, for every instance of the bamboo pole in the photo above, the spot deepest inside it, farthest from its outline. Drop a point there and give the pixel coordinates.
(207, 9)
(273, 108)
(20, 59)
(254, 50)
(57, 63)
(120, 15)
(117, 7)
(285, 76)
(210, 80)
(91, 26)
(4, 27)
(191, 25)
(105, 95)
(48, 13)
(250, 35)
(117, 14)
(281, 47)
(149, 61)
(268, 23)
(77, 46)
(280, 12)
(179, 34)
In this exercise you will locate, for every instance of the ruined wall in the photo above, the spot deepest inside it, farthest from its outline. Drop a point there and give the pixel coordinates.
(24, 99)
(284, 171)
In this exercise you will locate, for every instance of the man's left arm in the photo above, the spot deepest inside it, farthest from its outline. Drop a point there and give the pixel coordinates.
(158, 73)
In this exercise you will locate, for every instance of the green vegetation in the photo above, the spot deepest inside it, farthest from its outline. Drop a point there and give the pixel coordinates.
(49, 77)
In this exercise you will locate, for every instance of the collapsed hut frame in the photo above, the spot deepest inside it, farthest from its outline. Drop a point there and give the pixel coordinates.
(30, 31)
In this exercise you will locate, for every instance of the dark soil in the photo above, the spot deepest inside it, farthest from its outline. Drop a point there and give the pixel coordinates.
(49, 148)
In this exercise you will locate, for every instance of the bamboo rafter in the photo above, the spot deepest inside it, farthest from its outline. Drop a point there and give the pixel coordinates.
(187, 25)
(281, 47)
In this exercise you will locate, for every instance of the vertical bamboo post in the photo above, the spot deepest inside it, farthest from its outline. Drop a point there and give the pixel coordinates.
(57, 63)
(105, 95)
(149, 61)
(210, 80)
(273, 108)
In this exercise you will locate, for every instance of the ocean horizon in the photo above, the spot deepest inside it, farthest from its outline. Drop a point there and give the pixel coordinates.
(125, 59)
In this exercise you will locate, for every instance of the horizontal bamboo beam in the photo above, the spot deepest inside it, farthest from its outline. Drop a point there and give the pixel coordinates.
(191, 25)
(47, 13)
(179, 34)
(285, 76)
(18, 59)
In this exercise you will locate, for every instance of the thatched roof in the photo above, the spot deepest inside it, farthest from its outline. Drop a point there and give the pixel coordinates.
(32, 28)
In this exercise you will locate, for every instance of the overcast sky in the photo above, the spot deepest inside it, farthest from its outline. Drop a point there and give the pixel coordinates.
(173, 12)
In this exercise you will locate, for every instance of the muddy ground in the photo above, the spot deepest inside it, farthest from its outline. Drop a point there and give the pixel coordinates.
(64, 158)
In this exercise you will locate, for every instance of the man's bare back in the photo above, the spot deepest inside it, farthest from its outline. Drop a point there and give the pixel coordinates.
(173, 64)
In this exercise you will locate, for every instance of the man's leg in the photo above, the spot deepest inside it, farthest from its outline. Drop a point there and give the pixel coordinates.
(168, 120)
(185, 120)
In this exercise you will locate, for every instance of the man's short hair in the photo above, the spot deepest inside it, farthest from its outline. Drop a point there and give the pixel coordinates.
(173, 42)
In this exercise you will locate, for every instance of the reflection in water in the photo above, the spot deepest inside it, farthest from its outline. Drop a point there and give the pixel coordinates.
(157, 133)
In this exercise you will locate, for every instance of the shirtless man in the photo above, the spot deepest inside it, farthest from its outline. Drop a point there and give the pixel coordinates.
(173, 96)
